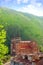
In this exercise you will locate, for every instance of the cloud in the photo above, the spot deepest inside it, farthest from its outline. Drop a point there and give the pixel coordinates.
(25, 1)
(22, 1)
(32, 9)
(38, 4)
(35, 3)
(19, 1)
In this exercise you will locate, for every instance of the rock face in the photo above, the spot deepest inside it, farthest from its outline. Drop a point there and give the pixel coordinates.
(40, 62)
(26, 53)
(23, 47)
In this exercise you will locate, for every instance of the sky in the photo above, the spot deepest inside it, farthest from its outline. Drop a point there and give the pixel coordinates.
(34, 7)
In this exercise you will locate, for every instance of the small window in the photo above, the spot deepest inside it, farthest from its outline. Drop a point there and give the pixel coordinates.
(26, 57)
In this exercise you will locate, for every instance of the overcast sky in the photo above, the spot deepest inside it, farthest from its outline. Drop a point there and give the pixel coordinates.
(30, 6)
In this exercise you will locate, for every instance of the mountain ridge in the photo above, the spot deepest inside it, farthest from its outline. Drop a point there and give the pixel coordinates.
(27, 26)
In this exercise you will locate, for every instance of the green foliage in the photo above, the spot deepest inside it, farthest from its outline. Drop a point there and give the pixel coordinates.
(6, 58)
(27, 26)
(41, 48)
(3, 50)
(3, 47)
(1, 62)
(2, 35)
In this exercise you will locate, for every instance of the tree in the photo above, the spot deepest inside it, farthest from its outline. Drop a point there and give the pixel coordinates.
(41, 48)
(3, 47)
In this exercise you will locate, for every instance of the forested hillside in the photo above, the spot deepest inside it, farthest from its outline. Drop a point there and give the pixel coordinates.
(27, 26)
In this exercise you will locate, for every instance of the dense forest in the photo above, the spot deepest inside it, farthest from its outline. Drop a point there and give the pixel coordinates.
(17, 24)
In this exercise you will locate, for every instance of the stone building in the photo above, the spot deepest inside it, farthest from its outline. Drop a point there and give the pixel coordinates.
(23, 47)
(25, 52)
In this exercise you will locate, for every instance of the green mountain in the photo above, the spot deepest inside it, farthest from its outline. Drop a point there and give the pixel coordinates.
(27, 26)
